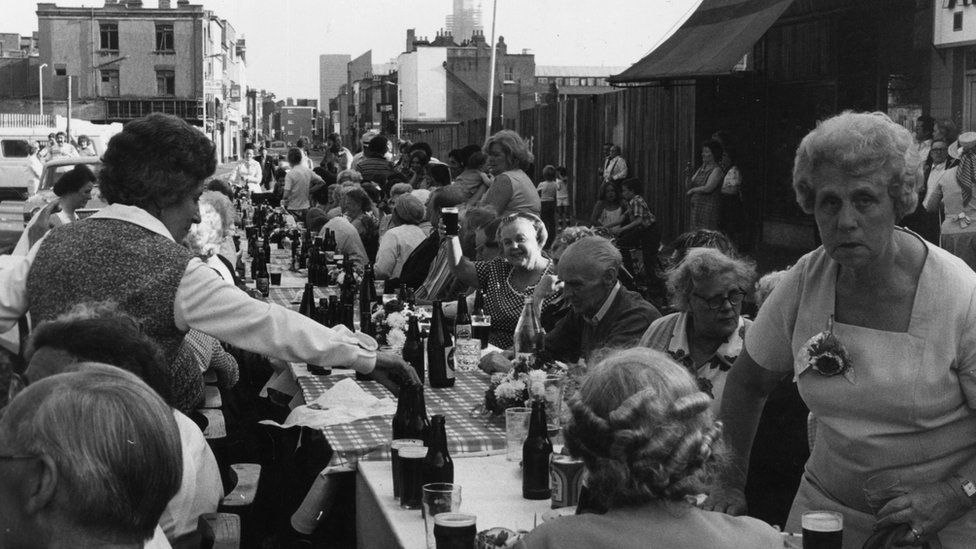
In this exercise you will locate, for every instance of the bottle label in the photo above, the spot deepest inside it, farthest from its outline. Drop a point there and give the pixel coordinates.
(449, 362)
(263, 284)
(463, 331)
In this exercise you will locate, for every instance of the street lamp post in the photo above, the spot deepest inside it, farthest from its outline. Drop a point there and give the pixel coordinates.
(399, 104)
(40, 88)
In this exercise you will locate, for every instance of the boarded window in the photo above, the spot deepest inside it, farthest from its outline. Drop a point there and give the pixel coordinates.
(109, 85)
(165, 82)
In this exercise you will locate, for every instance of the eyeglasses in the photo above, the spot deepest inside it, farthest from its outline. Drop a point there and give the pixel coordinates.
(716, 302)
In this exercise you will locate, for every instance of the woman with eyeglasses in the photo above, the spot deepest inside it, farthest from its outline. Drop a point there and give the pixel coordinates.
(705, 335)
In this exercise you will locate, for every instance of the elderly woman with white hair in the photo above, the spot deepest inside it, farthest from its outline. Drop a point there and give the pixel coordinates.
(402, 238)
(209, 238)
(878, 328)
(646, 435)
(705, 334)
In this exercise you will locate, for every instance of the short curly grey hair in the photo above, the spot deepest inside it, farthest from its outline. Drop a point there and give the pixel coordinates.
(859, 144)
(701, 265)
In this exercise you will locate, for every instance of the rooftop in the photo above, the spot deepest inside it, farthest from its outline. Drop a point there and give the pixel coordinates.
(577, 70)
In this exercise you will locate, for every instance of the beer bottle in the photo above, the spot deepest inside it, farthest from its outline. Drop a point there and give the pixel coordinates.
(307, 308)
(462, 321)
(438, 465)
(262, 280)
(440, 348)
(322, 313)
(294, 252)
(333, 317)
(529, 333)
(480, 320)
(401, 419)
(402, 294)
(413, 348)
(418, 424)
(267, 247)
(348, 320)
(536, 452)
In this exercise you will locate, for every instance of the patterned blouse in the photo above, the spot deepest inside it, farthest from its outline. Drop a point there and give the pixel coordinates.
(503, 302)
(669, 335)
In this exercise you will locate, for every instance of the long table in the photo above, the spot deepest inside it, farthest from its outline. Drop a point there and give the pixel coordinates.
(469, 432)
(491, 489)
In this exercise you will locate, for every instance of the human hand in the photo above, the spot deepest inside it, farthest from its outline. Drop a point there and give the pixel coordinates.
(615, 231)
(392, 371)
(548, 285)
(495, 362)
(728, 500)
(690, 192)
(926, 511)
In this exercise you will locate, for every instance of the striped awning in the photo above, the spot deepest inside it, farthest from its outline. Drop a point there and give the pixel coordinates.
(710, 43)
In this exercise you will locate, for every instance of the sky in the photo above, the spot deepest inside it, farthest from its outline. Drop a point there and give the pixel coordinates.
(285, 37)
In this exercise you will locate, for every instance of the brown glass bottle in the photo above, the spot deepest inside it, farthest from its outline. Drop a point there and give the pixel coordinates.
(536, 452)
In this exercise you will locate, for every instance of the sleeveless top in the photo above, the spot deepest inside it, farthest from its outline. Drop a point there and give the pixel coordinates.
(109, 259)
(525, 197)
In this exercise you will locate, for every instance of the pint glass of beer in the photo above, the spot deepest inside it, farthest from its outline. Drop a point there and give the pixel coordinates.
(450, 218)
(822, 530)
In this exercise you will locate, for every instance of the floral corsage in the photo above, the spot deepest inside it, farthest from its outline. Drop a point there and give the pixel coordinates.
(826, 355)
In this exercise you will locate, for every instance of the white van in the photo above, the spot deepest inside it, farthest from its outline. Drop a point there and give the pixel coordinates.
(15, 173)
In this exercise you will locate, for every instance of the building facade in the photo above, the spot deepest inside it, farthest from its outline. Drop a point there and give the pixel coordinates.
(125, 60)
(333, 73)
(297, 121)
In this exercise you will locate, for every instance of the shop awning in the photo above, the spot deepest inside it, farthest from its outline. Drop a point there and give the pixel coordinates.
(712, 41)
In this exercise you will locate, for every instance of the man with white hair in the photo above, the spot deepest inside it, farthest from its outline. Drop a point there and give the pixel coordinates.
(89, 459)
(604, 314)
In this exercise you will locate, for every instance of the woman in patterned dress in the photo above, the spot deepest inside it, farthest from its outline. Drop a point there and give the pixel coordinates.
(705, 335)
(506, 280)
(704, 187)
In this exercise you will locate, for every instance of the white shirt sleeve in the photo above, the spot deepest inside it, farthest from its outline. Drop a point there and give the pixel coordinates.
(207, 303)
(386, 257)
(13, 288)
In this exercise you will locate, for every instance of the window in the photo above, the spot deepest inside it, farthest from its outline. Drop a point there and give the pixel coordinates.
(60, 70)
(109, 35)
(957, 21)
(291, 122)
(559, 82)
(109, 86)
(15, 148)
(164, 37)
(509, 74)
(542, 80)
(573, 82)
(165, 82)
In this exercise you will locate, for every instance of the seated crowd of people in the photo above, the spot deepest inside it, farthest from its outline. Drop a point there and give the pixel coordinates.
(689, 412)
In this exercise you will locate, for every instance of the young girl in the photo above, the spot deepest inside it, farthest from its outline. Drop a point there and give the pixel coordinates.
(548, 189)
(562, 196)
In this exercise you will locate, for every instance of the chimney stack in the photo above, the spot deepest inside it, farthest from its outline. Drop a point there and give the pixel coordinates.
(165, 4)
(182, 3)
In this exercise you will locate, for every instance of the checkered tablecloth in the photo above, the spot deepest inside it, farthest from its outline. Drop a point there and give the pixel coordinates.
(292, 297)
(468, 433)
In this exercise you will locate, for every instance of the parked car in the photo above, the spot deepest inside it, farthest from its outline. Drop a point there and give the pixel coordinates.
(53, 170)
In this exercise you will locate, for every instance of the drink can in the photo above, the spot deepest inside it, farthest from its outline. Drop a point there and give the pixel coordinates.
(565, 480)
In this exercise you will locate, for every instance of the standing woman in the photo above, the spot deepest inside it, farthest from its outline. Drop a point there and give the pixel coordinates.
(703, 187)
(878, 328)
(512, 190)
(730, 196)
(73, 191)
(954, 190)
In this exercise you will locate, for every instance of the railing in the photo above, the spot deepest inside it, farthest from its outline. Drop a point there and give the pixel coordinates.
(9, 120)
(128, 109)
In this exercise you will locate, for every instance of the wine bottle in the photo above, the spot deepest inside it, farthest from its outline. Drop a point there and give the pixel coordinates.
(462, 321)
(413, 348)
(438, 465)
(536, 452)
(529, 334)
(440, 348)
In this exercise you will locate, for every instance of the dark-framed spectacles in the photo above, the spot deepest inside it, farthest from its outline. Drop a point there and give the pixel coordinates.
(716, 302)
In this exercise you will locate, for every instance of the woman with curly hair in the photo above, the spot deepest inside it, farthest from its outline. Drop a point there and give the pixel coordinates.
(646, 435)
(705, 335)
(512, 189)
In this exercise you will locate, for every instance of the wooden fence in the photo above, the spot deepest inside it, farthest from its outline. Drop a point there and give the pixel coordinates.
(654, 126)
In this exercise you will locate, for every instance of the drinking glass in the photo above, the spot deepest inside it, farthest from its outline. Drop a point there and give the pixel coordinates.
(516, 430)
(822, 530)
(439, 497)
(455, 530)
(380, 287)
(467, 354)
(411, 476)
(395, 447)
